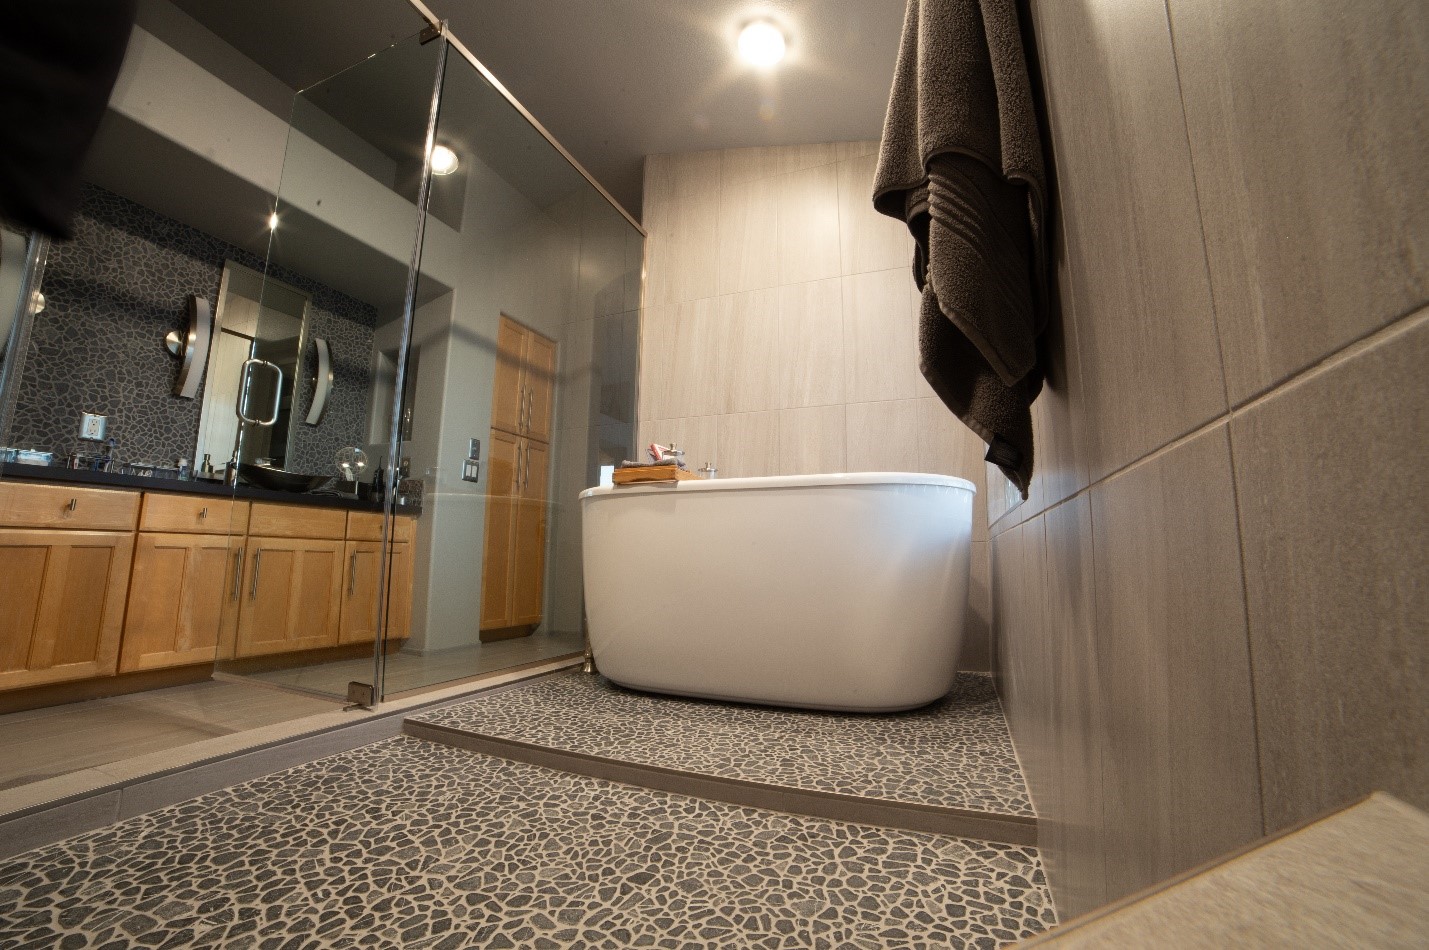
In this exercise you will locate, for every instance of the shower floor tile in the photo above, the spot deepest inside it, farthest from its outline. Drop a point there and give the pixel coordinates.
(953, 754)
(419, 845)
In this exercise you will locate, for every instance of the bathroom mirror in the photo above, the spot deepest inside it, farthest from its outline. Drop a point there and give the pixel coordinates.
(253, 368)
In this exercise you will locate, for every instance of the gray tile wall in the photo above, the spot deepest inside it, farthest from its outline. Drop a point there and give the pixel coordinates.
(1210, 614)
(779, 333)
(112, 294)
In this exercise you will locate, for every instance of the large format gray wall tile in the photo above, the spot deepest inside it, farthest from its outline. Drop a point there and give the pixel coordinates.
(1332, 475)
(1149, 357)
(1306, 122)
(1180, 773)
(1072, 835)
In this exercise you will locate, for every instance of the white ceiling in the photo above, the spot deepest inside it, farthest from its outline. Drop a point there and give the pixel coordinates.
(614, 80)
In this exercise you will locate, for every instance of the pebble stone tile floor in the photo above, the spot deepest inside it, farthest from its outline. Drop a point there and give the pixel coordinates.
(955, 753)
(411, 844)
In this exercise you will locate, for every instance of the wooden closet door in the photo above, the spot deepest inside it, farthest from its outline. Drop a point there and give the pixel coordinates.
(506, 390)
(529, 544)
(63, 604)
(183, 600)
(540, 383)
(496, 564)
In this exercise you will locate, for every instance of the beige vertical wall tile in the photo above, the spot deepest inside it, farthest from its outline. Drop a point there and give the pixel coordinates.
(868, 240)
(748, 327)
(808, 209)
(1180, 761)
(1332, 475)
(748, 236)
(700, 368)
(793, 158)
(676, 175)
(1071, 837)
(883, 436)
(748, 444)
(1306, 124)
(682, 249)
(739, 165)
(977, 625)
(880, 337)
(657, 361)
(812, 440)
(811, 344)
(1150, 359)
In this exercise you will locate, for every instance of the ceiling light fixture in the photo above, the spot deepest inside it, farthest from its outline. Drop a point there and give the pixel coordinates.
(273, 221)
(761, 44)
(444, 160)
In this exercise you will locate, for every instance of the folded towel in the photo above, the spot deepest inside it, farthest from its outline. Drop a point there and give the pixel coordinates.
(961, 163)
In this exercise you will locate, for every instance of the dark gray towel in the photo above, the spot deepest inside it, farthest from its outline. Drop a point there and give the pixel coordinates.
(961, 163)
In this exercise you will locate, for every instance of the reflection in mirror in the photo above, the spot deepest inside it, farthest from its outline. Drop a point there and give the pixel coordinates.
(253, 322)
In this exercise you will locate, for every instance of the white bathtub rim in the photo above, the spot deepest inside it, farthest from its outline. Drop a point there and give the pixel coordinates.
(786, 481)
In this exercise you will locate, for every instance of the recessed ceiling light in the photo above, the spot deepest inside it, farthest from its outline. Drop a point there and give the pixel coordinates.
(761, 44)
(273, 221)
(444, 160)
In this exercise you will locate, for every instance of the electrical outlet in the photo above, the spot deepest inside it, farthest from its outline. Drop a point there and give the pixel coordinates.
(93, 426)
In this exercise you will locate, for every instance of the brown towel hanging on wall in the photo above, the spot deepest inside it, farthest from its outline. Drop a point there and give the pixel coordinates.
(961, 163)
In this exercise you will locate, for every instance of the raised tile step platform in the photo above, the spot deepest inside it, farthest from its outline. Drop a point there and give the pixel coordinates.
(948, 768)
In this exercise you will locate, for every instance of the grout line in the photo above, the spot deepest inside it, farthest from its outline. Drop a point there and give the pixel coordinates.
(1200, 211)
(1249, 640)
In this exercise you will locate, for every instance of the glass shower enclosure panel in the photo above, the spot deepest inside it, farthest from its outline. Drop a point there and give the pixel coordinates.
(22, 266)
(520, 386)
(309, 355)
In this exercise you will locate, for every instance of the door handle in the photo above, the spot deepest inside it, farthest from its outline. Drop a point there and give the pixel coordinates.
(352, 574)
(516, 482)
(247, 379)
(526, 474)
(237, 572)
(257, 561)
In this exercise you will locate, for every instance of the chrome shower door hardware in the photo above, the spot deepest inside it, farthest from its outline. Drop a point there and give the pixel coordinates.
(248, 382)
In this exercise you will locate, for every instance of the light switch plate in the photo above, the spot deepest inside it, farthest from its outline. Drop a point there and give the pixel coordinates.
(92, 426)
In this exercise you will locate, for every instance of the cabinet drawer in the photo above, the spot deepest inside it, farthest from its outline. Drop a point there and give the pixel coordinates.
(59, 506)
(193, 514)
(367, 526)
(297, 521)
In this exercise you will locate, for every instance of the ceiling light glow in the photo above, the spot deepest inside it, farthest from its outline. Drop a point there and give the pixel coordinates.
(761, 44)
(273, 221)
(444, 160)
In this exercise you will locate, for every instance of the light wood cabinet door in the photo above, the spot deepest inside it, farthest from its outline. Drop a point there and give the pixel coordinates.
(528, 543)
(291, 596)
(61, 604)
(540, 383)
(359, 593)
(508, 398)
(496, 564)
(183, 600)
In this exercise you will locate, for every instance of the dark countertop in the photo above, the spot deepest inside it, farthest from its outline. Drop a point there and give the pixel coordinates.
(72, 476)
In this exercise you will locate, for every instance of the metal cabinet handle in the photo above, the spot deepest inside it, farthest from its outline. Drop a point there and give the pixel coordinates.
(352, 574)
(202, 513)
(73, 504)
(237, 572)
(526, 474)
(247, 379)
(516, 483)
(257, 560)
(530, 406)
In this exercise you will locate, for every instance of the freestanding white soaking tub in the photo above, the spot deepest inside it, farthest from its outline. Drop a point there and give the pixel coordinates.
(823, 591)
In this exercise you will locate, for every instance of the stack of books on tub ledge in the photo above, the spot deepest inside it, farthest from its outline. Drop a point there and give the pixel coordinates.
(666, 464)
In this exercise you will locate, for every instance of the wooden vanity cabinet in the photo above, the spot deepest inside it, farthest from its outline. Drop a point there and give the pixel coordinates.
(359, 599)
(184, 590)
(292, 592)
(64, 572)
